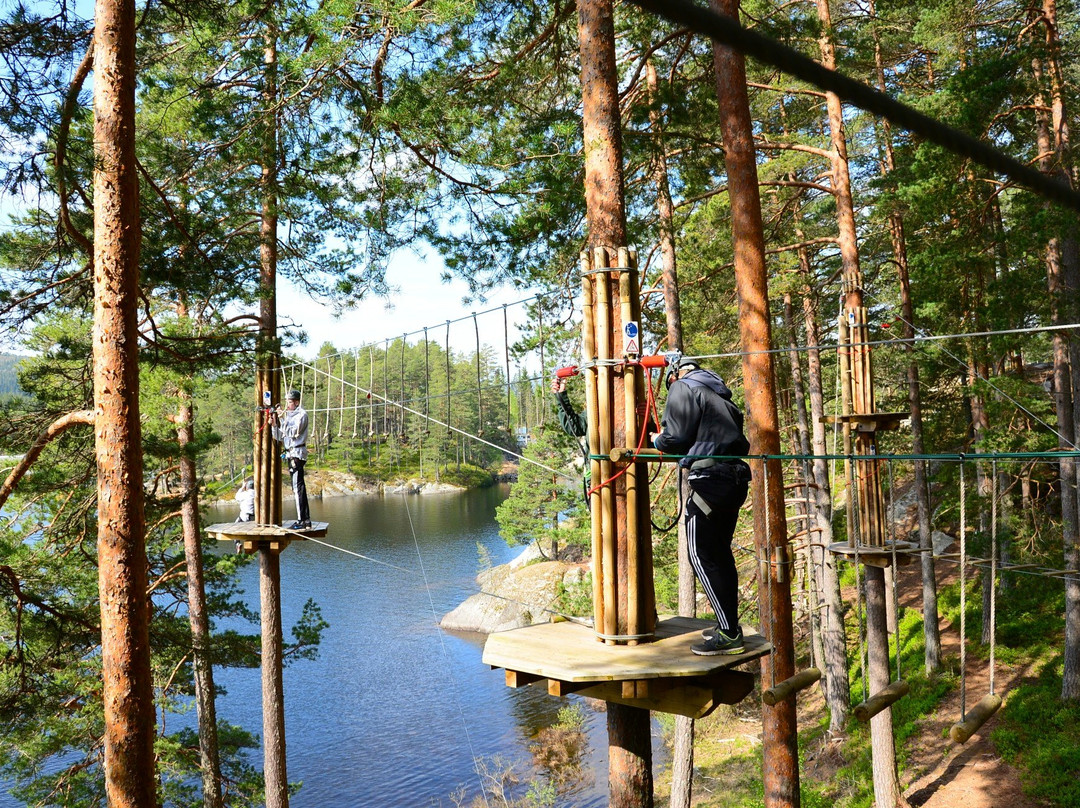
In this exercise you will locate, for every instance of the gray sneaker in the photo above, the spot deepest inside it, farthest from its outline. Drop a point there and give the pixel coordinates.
(719, 643)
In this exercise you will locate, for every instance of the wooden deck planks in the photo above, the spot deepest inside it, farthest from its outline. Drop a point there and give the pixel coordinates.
(570, 652)
(251, 536)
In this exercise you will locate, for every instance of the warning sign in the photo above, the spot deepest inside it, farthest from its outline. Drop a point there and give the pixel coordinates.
(631, 341)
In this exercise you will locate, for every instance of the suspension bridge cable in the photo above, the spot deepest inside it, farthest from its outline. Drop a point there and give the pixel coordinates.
(727, 31)
(825, 346)
(386, 401)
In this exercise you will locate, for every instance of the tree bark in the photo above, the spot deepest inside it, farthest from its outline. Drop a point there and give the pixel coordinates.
(779, 729)
(205, 705)
(931, 631)
(630, 747)
(1063, 273)
(682, 753)
(127, 686)
(268, 467)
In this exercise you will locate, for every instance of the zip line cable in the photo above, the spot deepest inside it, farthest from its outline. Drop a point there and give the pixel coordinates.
(442, 645)
(727, 31)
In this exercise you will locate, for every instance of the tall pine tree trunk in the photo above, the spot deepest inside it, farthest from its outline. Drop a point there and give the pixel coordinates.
(682, 752)
(883, 745)
(205, 707)
(835, 684)
(127, 688)
(897, 236)
(1063, 273)
(629, 732)
(779, 729)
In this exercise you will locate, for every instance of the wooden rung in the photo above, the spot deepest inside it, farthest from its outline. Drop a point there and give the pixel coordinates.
(880, 700)
(976, 717)
(800, 681)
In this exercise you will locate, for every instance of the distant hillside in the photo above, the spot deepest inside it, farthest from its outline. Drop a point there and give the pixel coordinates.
(9, 382)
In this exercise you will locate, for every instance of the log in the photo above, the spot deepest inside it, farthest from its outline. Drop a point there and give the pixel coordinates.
(782, 690)
(976, 717)
(880, 700)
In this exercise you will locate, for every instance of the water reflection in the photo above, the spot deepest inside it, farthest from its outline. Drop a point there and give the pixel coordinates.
(395, 711)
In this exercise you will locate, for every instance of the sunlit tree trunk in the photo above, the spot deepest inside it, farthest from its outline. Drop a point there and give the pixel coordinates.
(779, 729)
(1063, 275)
(630, 781)
(127, 688)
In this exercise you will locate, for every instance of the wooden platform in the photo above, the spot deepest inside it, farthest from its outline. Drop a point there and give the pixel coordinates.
(868, 422)
(251, 536)
(878, 556)
(663, 675)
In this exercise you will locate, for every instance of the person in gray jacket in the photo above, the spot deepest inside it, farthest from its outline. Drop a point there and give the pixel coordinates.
(701, 422)
(291, 428)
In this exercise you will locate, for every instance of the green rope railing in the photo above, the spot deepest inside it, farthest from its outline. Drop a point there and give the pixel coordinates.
(631, 455)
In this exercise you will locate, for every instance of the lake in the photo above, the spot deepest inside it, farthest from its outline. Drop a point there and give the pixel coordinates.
(394, 711)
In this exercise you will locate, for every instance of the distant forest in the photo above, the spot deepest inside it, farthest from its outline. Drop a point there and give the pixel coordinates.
(9, 381)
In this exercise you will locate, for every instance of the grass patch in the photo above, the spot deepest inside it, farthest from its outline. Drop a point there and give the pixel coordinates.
(1037, 733)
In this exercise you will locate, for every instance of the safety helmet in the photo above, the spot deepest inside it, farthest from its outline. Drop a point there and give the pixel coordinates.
(677, 367)
(293, 395)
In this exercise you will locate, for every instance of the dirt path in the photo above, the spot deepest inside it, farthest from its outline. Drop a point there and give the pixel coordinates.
(941, 773)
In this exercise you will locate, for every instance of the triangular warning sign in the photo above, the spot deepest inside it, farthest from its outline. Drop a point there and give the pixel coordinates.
(631, 346)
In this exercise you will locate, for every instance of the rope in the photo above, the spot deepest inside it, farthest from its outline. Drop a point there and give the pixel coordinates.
(963, 599)
(728, 31)
(442, 644)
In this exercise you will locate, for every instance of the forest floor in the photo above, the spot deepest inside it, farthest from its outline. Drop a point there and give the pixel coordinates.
(941, 773)
(938, 774)
(944, 774)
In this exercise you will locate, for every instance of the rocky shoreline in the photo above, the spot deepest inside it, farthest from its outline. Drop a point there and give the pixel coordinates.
(519, 593)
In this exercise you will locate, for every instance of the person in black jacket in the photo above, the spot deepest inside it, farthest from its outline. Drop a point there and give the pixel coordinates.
(701, 422)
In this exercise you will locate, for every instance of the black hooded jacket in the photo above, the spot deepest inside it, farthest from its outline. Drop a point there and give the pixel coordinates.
(700, 419)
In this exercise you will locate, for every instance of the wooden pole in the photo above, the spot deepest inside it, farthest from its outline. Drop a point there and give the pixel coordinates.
(605, 395)
(634, 605)
(588, 326)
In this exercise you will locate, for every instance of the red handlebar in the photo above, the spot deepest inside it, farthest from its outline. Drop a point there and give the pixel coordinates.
(566, 372)
(653, 361)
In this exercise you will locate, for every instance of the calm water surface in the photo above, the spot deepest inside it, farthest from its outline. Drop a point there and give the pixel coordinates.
(394, 710)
